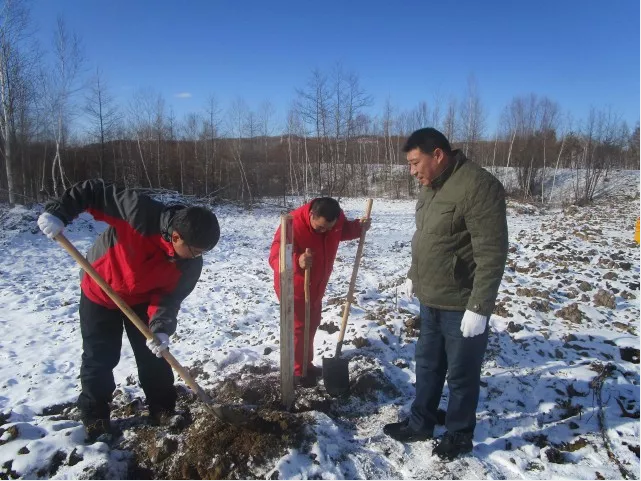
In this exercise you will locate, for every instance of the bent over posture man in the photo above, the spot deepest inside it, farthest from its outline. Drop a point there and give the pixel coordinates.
(151, 257)
(319, 226)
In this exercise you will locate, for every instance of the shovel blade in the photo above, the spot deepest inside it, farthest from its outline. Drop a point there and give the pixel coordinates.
(235, 415)
(336, 375)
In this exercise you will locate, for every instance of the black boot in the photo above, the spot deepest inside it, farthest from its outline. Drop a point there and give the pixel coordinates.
(307, 381)
(453, 444)
(314, 371)
(404, 433)
(95, 428)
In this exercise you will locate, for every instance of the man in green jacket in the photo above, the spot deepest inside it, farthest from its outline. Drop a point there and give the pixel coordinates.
(459, 252)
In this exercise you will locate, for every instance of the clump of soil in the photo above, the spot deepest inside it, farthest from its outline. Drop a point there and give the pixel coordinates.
(329, 327)
(369, 384)
(501, 309)
(605, 299)
(571, 313)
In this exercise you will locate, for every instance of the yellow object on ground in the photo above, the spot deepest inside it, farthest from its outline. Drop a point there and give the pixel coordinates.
(636, 231)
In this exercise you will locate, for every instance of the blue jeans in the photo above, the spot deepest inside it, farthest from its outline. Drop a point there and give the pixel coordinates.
(441, 349)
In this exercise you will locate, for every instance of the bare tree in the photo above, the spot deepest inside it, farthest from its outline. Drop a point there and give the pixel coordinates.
(237, 124)
(14, 67)
(293, 129)
(159, 136)
(314, 107)
(103, 116)
(632, 149)
(387, 132)
(213, 113)
(530, 123)
(191, 136)
(566, 127)
(145, 109)
(603, 138)
(449, 122)
(355, 99)
(472, 116)
(62, 85)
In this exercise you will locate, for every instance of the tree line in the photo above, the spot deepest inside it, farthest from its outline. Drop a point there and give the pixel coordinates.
(58, 126)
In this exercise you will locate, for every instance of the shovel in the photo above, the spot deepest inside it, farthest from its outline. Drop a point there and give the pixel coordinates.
(306, 331)
(236, 415)
(336, 370)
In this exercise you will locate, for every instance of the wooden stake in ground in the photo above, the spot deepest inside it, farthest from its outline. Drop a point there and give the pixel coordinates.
(286, 311)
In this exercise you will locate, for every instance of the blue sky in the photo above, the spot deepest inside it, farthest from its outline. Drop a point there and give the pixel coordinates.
(577, 53)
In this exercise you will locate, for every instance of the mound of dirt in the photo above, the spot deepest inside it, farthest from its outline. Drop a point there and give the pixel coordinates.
(210, 449)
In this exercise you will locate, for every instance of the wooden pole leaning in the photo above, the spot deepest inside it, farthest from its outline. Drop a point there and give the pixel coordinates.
(286, 311)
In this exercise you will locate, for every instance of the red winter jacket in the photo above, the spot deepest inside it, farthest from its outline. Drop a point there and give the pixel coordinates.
(323, 246)
(134, 255)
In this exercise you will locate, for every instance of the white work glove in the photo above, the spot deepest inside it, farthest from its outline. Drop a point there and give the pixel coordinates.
(50, 225)
(473, 324)
(158, 347)
(409, 289)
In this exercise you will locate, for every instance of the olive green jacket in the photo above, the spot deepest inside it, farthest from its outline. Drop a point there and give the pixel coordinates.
(460, 245)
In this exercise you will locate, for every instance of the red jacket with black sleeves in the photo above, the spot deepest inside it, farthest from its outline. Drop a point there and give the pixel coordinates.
(134, 255)
(324, 247)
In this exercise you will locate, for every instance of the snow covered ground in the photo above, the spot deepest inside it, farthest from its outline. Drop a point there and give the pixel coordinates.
(560, 383)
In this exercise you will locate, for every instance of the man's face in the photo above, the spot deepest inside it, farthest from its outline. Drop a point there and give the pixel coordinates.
(184, 250)
(320, 225)
(425, 167)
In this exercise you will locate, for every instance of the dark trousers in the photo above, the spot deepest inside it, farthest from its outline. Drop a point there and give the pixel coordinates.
(101, 330)
(441, 349)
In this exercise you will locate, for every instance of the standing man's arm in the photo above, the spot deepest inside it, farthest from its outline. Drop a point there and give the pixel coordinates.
(486, 221)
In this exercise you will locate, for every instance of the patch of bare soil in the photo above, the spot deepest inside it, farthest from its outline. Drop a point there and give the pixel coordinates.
(197, 445)
(207, 448)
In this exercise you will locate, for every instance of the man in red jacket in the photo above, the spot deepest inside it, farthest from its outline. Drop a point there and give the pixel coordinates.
(151, 256)
(319, 226)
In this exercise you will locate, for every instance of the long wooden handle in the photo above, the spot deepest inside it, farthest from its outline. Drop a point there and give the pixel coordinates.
(133, 317)
(307, 306)
(352, 282)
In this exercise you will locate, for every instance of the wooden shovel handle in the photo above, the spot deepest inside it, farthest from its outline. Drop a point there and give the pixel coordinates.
(307, 308)
(133, 317)
(352, 282)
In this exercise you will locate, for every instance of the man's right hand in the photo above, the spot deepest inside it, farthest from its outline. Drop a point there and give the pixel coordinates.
(50, 225)
(305, 260)
(409, 289)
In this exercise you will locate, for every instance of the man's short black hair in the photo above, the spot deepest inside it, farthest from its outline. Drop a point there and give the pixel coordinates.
(427, 140)
(326, 207)
(198, 227)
